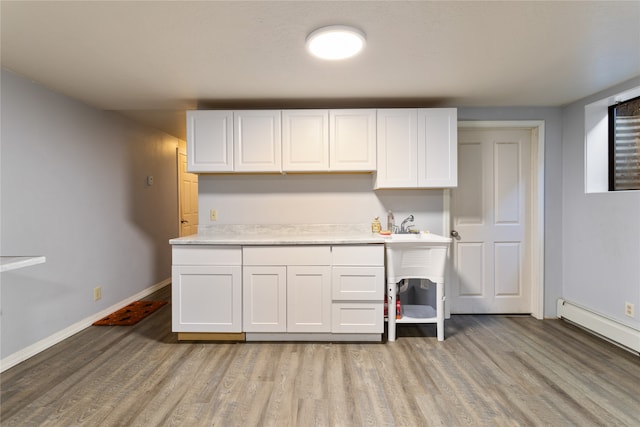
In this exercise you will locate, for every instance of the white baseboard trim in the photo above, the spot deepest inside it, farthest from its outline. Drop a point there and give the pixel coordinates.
(609, 329)
(30, 351)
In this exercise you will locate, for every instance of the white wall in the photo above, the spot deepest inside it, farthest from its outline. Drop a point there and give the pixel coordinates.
(313, 199)
(73, 189)
(601, 231)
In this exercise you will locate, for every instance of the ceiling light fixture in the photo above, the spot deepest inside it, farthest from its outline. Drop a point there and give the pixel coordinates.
(335, 42)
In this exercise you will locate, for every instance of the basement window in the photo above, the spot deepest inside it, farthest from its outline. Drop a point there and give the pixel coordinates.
(624, 145)
(609, 165)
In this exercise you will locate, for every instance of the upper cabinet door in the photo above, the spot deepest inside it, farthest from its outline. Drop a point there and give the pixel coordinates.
(437, 147)
(305, 140)
(417, 148)
(257, 141)
(397, 148)
(352, 140)
(209, 141)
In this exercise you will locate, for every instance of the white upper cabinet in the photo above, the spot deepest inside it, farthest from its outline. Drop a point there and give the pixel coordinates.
(305, 140)
(417, 148)
(257, 141)
(408, 148)
(329, 140)
(352, 140)
(438, 147)
(397, 148)
(209, 141)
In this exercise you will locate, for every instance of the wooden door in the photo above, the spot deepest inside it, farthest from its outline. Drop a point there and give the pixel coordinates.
(187, 197)
(491, 213)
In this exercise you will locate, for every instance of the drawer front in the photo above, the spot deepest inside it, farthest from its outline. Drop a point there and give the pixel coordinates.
(358, 255)
(286, 255)
(357, 283)
(354, 318)
(206, 255)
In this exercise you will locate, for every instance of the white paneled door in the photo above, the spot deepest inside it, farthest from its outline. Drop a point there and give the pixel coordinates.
(187, 196)
(491, 214)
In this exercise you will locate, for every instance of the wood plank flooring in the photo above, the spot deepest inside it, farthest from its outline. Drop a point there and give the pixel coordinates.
(489, 371)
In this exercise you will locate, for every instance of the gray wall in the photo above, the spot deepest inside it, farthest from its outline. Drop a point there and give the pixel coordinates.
(601, 231)
(73, 189)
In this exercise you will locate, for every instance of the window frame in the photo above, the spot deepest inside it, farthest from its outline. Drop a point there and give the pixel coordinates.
(611, 117)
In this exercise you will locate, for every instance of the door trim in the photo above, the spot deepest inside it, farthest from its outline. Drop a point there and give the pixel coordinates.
(537, 206)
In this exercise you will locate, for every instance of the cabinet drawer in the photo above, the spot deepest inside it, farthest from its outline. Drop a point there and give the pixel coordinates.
(206, 255)
(287, 255)
(357, 283)
(357, 318)
(358, 255)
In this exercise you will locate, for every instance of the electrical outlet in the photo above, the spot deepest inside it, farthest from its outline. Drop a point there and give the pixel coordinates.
(97, 293)
(628, 309)
(213, 215)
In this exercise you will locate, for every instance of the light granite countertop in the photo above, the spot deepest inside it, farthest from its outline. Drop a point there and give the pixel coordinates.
(296, 234)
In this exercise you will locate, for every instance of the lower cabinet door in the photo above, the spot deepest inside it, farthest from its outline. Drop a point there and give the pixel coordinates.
(357, 317)
(264, 299)
(308, 299)
(206, 298)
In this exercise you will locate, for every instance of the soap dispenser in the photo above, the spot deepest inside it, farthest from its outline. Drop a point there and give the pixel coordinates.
(376, 227)
(391, 221)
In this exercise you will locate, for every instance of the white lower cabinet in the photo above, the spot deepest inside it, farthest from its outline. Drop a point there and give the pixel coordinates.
(287, 289)
(264, 298)
(206, 289)
(308, 298)
(357, 289)
(299, 289)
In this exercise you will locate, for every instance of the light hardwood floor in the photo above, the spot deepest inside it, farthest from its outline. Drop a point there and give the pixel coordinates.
(489, 371)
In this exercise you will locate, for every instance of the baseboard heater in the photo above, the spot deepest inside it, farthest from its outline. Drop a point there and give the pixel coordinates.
(608, 329)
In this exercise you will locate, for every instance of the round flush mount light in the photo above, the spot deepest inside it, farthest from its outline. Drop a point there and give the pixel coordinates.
(335, 42)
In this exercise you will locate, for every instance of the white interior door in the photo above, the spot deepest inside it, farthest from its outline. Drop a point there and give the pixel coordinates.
(187, 196)
(491, 213)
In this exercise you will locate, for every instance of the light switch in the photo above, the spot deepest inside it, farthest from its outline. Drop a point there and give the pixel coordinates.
(149, 180)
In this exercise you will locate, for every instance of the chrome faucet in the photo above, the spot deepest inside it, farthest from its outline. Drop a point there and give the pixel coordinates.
(404, 227)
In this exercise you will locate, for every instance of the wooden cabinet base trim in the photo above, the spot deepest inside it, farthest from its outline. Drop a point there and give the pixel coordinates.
(210, 336)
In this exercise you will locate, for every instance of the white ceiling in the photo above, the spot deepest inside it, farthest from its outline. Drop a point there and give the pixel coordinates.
(151, 60)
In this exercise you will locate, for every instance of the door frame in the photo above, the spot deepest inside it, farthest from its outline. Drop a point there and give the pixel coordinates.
(537, 206)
